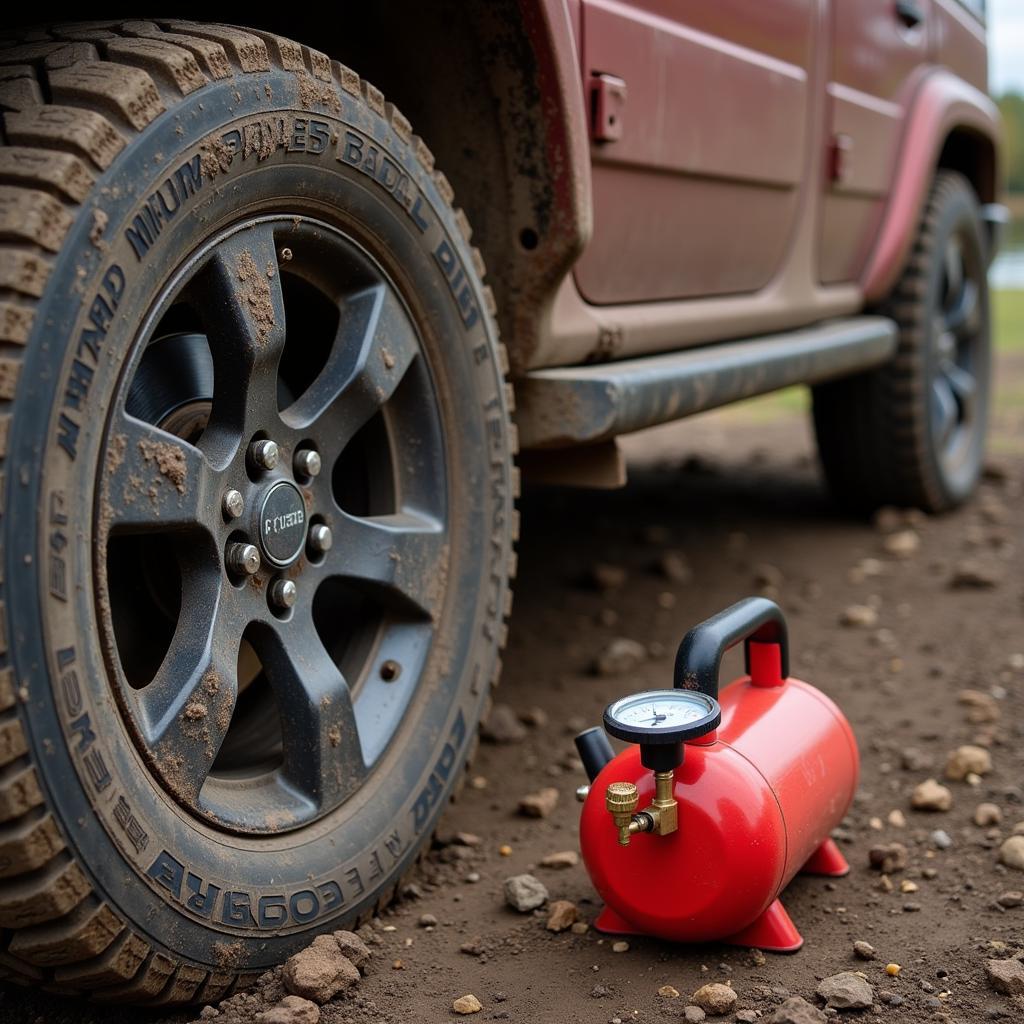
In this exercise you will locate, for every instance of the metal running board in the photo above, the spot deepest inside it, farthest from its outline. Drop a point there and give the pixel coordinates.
(573, 405)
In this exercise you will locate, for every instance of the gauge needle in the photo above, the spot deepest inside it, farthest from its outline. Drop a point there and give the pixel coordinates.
(658, 718)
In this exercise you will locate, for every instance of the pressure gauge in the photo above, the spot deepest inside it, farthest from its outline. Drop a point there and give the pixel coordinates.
(662, 718)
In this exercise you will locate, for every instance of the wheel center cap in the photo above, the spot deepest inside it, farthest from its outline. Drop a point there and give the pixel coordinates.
(282, 528)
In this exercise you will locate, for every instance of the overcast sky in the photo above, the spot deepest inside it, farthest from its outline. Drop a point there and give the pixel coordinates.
(1006, 45)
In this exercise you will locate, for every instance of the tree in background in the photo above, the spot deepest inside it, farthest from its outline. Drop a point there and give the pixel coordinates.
(1011, 106)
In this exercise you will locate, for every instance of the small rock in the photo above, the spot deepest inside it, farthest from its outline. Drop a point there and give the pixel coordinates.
(970, 574)
(897, 819)
(537, 717)
(914, 760)
(1011, 853)
(602, 576)
(320, 971)
(291, 1010)
(600, 992)
(427, 921)
(620, 656)
(888, 519)
(987, 814)
(620, 947)
(1011, 899)
(561, 860)
(524, 892)
(668, 992)
(747, 1017)
(539, 804)
(467, 1004)
(1006, 976)
(766, 575)
(861, 615)
(352, 947)
(796, 1011)
(967, 759)
(716, 999)
(941, 839)
(502, 726)
(846, 991)
(693, 1014)
(580, 928)
(931, 796)
(893, 970)
(561, 915)
(983, 707)
(674, 567)
(889, 858)
(902, 544)
(864, 950)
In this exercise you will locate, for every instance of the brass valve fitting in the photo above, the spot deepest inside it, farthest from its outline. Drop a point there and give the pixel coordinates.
(661, 817)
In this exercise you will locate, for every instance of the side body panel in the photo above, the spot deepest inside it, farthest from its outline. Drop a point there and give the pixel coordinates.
(877, 59)
(714, 133)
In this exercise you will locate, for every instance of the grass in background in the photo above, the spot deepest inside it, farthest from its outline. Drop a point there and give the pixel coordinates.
(1008, 320)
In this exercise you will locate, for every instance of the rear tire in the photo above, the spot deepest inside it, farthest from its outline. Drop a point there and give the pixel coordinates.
(912, 433)
(210, 238)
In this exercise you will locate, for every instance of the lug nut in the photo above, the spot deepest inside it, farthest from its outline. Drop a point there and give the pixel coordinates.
(320, 539)
(264, 454)
(234, 504)
(244, 559)
(307, 463)
(283, 594)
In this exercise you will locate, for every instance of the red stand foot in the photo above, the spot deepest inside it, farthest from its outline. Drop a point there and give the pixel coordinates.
(826, 860)
(611, 924)
(773, 932)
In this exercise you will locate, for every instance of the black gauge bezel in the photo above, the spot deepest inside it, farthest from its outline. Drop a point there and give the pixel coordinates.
(647, 736)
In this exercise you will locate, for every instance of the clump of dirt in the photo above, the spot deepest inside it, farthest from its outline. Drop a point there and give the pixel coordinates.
(313, 93)
(195, 710)
(99, 225)
(214, 159)
(256, 292)
(169, 460)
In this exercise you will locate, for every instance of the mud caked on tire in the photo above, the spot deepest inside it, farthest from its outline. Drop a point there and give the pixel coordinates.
(256, 482)
(912, 433)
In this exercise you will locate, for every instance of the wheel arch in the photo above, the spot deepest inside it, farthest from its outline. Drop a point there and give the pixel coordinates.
(494, 88)
(950, 125)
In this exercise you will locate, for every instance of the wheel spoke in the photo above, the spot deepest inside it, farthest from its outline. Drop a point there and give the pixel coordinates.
(964, 387)
(322, 752)
(187, 708)
(402, 556)
(243, 311)
(152, 481)
(374, 347)
(944, 410)
(961, 318)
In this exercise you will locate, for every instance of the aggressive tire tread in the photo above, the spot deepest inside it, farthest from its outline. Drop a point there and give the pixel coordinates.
(72, 99)
(873, 444)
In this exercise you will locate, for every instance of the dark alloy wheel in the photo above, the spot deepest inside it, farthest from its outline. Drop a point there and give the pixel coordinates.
(912, 433)
(272, 590)
(256, 502)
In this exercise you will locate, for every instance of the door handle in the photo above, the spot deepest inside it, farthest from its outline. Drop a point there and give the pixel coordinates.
(908, 12)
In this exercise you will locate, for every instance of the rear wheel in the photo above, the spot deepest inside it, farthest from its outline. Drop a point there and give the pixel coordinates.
(258, 505)
(912, 433)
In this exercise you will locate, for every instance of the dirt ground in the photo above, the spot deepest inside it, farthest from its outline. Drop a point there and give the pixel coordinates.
(737, 496)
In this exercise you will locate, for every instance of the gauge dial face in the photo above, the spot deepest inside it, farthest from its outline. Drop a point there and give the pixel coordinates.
(661, 709)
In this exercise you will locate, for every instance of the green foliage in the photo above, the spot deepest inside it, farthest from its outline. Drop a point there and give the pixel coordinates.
(1011, 106)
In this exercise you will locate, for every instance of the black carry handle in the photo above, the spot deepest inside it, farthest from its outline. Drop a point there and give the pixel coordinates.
(699, 658)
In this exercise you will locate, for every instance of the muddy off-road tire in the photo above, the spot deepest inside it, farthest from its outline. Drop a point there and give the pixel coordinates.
(210, 239)
(912, 433)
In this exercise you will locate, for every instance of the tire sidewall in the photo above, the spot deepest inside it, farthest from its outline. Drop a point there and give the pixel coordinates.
(228, 902)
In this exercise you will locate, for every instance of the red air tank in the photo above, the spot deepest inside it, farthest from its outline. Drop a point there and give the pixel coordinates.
(751, 804)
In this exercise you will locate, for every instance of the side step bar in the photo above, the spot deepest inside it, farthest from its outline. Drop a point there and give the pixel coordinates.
(571, 405)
